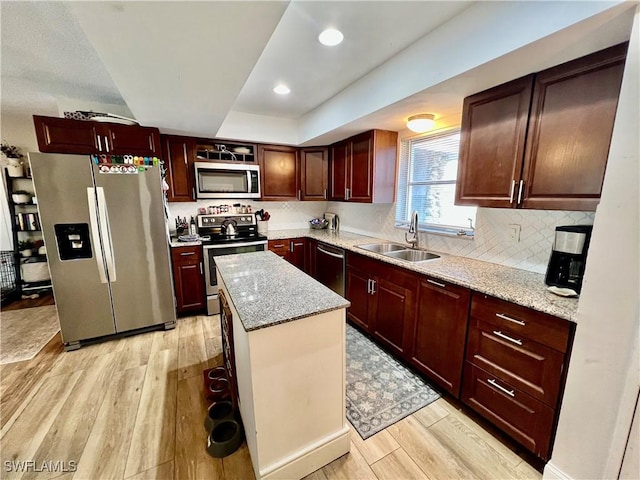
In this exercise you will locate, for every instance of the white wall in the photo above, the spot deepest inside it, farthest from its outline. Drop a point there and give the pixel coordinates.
(604, 374)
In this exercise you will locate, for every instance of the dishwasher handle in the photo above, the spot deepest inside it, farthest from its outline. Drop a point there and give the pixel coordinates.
(337, 255)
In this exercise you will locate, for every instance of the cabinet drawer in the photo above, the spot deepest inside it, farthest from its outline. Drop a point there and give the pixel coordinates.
(527, 420)
(531, 367)
(280, 247)
(537, 326)
(186, 254)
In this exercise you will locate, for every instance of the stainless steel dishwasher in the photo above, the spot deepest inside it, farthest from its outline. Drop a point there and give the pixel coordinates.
(330, 267)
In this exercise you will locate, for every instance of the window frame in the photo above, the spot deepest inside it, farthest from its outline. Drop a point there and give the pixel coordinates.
(446, 230)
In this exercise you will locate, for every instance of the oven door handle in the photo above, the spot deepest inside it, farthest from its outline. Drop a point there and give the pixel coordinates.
(233, 245)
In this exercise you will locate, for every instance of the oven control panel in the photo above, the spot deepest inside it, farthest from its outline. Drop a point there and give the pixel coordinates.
(216, 220)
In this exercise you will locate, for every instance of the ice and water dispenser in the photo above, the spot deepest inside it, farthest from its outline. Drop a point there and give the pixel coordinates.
(73, 240)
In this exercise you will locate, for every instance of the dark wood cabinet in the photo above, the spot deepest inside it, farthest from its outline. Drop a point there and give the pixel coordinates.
(382, 301)
(188, 279)
(279, 172)
(314, 173)
(545, 137)
(293, 250)
(177, 153)
(439, 334)
(362, 168)
(63, 135)
(516, 360)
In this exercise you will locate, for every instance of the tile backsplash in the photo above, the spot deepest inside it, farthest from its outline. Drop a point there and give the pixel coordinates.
(492, 242)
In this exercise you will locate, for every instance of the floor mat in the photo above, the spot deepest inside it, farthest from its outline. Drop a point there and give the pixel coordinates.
(23, 333)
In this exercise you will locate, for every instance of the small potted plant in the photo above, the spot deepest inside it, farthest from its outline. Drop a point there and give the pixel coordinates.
(12, 159)
(39, 248)
(21, 196)
(25, 247)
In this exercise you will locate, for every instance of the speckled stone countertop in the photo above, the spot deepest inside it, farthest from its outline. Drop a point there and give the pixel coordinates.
(266, 290)
(174, 242)
(514, 285)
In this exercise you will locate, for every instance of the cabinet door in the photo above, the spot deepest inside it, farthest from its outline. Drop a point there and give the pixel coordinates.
(314, 173)
(340, 156)
(176, 153)
(392, 313)
(492, 142)
(360, 169)
(279, 172)
(298, 253)
(440, 332)
(572, 116)
(188, 279)
(358, 284)
(63, 135)
(133, 140)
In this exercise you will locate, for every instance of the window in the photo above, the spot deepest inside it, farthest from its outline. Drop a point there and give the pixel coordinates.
(427, 183)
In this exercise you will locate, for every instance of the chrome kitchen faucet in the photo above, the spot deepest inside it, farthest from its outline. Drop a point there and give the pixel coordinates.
(413, 228)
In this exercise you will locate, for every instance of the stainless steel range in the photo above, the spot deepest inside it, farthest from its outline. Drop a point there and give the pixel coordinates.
(230, 233)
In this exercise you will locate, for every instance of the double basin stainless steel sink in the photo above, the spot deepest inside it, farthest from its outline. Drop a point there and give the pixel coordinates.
(401, 252)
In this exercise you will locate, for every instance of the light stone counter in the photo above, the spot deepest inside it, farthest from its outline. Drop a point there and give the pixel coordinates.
(514, 285)
(266, 290)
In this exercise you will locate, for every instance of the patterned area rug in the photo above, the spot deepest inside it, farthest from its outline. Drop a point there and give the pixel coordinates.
(24, 332)
(380, 391)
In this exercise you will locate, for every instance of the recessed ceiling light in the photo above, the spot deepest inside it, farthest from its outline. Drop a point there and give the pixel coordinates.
(421, 123)
(282, 89)
(330, 37)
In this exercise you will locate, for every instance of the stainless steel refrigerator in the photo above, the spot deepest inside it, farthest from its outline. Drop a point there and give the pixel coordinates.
(107, 247)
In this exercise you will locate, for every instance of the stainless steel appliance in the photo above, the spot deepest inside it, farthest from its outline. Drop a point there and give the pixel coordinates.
(330, 267)
(106, 243)
(569, 257)
(227, 180)
(333, 219)
(229, 234)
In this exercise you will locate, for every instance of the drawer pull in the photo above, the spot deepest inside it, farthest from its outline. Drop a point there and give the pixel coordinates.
(507, 337)
(509, 319)
(184, 254)
(492, 382)
(441, 285)
(280, 245)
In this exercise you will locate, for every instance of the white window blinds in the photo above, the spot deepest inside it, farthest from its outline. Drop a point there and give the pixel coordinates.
(427, 183)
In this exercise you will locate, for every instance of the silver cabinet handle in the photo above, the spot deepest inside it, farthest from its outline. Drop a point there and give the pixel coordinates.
(442, 285)
(280, 245)
(184, 254)
(498, 333)
(291, 247)
(299, 194)
(369, 285)
(201, 272)
(373, 287)
(509, 319)
(513, 189)
(346, 193)
(99, 143)
(520, 191)
(325, 193)
(106, 144)
(492, 382)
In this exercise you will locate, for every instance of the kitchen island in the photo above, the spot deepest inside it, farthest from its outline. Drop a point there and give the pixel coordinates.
(287, 336)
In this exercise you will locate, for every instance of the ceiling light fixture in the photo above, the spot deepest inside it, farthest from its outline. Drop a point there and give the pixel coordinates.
(282, 89)
(421, 123)
(330, 37)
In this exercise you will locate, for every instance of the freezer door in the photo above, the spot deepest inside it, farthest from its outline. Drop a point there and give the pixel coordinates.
(137, 252)
(63, 186)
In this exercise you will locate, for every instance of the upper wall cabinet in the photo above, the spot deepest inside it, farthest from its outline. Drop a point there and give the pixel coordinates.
(63, 135)
(279, 172)
(566, 115)
(177, 153)
(314, 173)
(363, 168)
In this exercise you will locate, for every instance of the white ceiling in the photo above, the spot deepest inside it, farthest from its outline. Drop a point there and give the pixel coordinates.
(208, 68)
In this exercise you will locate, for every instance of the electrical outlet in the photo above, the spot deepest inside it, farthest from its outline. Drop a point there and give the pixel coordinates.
(514, 233)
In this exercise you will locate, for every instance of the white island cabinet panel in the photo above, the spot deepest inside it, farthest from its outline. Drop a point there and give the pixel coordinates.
(290, 372)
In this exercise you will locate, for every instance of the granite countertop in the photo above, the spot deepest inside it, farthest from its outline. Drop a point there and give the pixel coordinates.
(512, 284)
(267, 290)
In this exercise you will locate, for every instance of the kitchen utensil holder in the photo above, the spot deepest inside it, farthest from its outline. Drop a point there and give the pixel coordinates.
(225, 438)
(263, 226)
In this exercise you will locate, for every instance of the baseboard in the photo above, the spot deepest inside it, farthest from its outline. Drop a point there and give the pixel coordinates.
(551, 472)
(311, 459)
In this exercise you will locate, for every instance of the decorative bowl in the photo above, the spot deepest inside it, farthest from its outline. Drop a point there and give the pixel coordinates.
(318, 223)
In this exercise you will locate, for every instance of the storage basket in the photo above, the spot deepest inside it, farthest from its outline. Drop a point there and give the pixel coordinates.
(35, 272)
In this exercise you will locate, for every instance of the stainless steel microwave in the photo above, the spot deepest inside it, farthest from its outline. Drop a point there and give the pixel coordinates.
(227, 180)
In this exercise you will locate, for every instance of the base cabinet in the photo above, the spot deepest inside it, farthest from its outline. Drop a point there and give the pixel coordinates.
(188, 279)
(438, 340)
(293, 250)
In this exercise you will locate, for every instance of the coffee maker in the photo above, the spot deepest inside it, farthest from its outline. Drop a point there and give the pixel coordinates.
(568, 257)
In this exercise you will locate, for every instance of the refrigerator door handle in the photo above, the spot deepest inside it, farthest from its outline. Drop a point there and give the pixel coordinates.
(93, 217)
(103, 215)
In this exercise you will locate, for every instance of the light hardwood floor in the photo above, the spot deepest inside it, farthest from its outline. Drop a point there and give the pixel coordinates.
(134, 408)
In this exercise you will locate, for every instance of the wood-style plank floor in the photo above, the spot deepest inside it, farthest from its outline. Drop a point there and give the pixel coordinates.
(134, 408)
